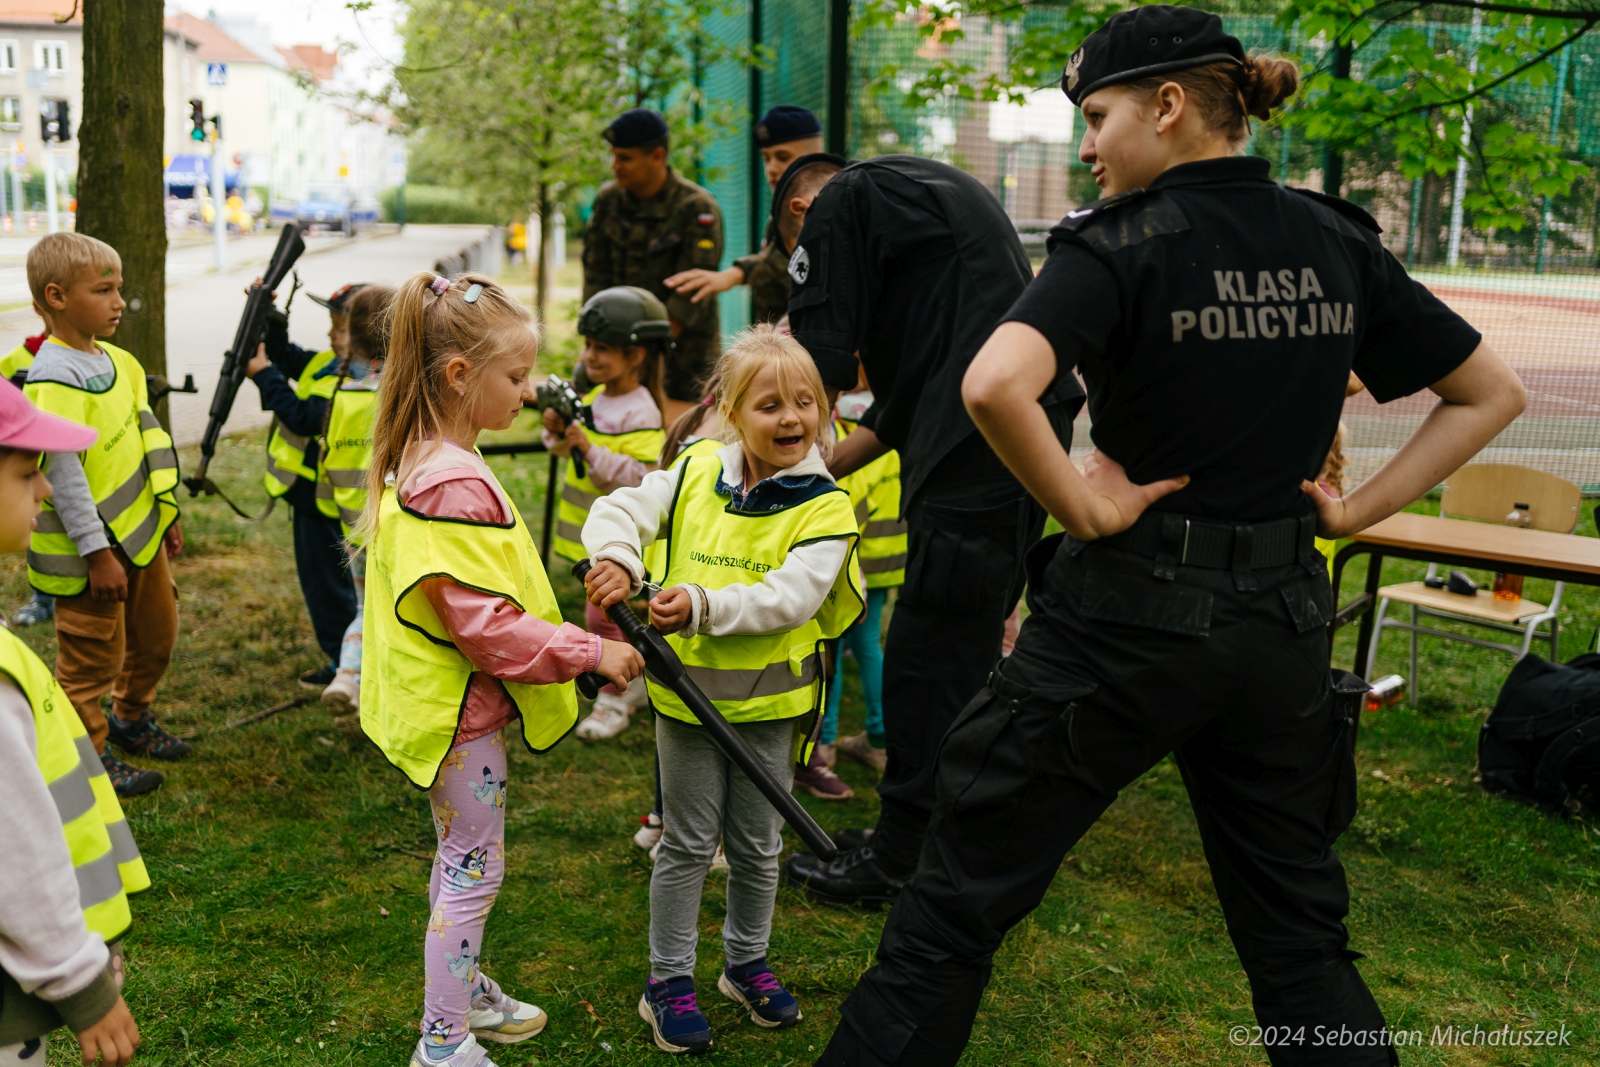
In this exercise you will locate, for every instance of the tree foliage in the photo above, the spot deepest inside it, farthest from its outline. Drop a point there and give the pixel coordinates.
(1408, 103)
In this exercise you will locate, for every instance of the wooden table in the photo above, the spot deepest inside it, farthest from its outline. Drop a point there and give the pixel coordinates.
(1457, 543)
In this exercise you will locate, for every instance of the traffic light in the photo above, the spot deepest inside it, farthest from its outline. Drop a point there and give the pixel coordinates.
(197, 115)
(55, 121)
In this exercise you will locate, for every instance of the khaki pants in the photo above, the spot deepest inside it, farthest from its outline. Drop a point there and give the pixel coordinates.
(118, 646)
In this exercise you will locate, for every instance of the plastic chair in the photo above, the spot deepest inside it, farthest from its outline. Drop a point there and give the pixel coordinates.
(1487, 492)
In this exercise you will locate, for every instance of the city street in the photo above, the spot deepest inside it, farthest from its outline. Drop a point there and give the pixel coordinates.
(203, 306)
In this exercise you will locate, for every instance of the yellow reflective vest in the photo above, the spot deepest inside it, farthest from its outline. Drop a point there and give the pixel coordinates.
(104, 857)
(132, 470)
(15, 362)
(286, 450)
(413, 678)
(753, 677)
(579, 494)
(347, 451)
(655, 553)
(883, 532)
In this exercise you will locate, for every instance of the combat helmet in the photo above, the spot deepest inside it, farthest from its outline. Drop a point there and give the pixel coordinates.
(625, 315)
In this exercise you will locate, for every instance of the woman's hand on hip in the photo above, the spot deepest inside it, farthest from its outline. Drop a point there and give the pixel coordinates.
(1116, 503)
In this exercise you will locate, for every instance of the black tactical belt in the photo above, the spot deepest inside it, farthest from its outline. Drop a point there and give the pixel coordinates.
(1177, 540)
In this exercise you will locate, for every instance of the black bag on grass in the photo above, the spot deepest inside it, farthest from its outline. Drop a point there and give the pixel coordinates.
(1542, 741)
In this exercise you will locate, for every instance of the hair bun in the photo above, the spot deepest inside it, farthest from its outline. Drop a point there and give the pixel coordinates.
(1266, 82)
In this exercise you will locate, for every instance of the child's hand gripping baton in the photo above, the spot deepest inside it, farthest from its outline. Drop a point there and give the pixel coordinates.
(665, 666)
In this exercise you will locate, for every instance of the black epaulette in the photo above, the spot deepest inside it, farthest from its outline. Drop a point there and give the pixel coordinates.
(1343, 207)
(1078, 218)
(1108, 226)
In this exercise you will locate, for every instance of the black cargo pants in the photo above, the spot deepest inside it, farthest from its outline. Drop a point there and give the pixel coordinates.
(1115, 669)
(968, 531)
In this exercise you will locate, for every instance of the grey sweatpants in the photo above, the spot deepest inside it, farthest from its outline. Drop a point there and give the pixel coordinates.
(707, 799)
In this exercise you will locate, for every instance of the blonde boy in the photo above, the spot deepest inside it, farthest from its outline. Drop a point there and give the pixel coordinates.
(101, 544)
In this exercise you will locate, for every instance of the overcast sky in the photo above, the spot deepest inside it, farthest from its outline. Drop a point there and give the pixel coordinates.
(325, 22)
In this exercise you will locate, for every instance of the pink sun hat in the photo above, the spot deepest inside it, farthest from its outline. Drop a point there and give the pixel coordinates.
(27, 429)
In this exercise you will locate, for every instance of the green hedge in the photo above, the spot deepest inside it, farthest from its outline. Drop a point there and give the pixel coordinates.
(435, 203)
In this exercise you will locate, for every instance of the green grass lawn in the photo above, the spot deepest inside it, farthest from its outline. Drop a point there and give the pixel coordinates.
(289, 862)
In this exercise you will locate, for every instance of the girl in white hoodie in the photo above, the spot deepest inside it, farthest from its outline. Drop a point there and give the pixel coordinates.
(760, 569)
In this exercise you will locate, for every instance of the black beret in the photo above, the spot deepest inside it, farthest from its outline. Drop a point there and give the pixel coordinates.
(780, 191)
(635, 127)
(1146, 41)
(786, 123)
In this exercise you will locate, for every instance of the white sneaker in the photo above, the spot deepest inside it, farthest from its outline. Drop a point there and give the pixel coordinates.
(636, 695)
(648, 835)
(343, 694)
(467, 1054)
(608, 718)
(505, 1020)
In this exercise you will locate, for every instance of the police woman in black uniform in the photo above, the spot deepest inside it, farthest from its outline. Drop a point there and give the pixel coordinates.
(1215, 317)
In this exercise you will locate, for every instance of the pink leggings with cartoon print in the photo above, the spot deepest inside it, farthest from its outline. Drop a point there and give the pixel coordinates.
(469, 819)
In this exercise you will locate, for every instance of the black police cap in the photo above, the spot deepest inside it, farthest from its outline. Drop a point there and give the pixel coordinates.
(635, 127)
(1147, 41)
(785, 123)
(780, 191)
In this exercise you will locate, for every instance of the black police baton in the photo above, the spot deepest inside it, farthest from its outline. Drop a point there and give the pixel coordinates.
(665, 666)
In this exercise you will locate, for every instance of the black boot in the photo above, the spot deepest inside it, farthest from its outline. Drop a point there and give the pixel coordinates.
(853, 877)
(852, 838)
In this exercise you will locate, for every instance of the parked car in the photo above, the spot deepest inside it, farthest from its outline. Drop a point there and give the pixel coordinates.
(366, 210)
(325, 204)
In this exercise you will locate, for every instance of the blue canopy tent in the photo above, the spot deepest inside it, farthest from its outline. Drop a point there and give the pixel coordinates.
(184, 172)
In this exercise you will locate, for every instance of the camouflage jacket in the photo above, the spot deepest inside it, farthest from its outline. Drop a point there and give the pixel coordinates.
(767, 274)
(642, 242)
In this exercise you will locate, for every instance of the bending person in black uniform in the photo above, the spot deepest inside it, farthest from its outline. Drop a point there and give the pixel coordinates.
(1216, 318)
(911, 263)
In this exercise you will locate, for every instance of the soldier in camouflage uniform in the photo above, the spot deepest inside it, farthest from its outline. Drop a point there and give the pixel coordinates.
(651, 223)
(783, 134)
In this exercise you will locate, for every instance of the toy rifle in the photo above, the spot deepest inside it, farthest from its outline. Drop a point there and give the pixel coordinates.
(667, 669)
(252, 329)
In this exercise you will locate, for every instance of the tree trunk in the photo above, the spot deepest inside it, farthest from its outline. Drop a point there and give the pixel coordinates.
(120, 164)
(547, 231)
(1430, 218)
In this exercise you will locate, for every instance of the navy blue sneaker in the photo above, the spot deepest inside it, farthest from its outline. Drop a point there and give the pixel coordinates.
(674, 1015)
(754, 986)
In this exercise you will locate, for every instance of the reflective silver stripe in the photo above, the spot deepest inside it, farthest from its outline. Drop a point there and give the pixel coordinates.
(72, 795)
(862, 511)
(346, 477)
(123, 848)
(883, 564)
(123, 496)
(886, 528)
(148, 421)
(98, 881)
(571, 494)
(348, 516)
(138, 538)
(92, 764)
(293, 438)
(73, 566)
(50, 522)
(286, 477)
(769, 681)
(568, 532)
(161, 459)
(324, 490)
